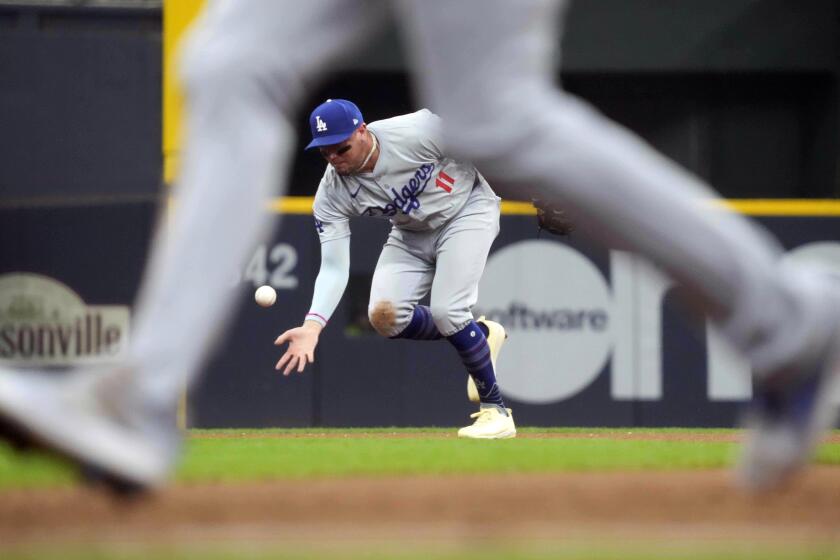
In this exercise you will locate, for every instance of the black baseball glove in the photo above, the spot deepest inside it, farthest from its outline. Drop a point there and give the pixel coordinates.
(552, 218)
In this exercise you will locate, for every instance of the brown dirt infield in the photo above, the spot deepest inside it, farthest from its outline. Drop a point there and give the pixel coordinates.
(657, 505)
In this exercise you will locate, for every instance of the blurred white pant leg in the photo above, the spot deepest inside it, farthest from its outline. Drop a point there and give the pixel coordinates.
(488, 68)
(245, 66)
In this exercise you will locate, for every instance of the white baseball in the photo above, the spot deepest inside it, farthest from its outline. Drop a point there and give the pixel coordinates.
(265, 296)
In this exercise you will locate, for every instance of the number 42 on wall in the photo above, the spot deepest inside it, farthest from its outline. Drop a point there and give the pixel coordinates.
(274, 266)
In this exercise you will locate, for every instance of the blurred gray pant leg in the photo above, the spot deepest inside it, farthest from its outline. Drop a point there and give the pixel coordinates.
(488, 68)
(246, 67)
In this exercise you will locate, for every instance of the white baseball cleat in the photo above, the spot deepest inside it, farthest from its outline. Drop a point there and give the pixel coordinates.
(83, 417)
(490, 423)
(784, 423)
(790, 411)
(495, 340)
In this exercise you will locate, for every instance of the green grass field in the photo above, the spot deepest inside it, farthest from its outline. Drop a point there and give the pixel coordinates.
(246, 456)
(243, 455)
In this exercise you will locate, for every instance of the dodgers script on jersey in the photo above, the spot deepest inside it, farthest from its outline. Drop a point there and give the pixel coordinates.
(414, 185)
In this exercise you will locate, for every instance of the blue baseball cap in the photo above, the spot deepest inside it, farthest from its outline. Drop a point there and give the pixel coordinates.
(333, 121)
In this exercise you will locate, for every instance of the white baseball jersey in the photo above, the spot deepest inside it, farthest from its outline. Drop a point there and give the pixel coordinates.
(413, 184)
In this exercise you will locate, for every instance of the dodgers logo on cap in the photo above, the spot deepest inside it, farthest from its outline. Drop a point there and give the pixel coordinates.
(333, 121)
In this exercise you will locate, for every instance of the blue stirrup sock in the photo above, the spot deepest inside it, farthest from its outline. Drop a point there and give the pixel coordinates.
(472, 346)
(421, 326)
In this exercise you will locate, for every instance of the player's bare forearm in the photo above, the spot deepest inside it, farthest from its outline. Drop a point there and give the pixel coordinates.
(301, 351)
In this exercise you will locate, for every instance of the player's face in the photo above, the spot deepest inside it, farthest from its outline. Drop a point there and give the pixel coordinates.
(346, 156)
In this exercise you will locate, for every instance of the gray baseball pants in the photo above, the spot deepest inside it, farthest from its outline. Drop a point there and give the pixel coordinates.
(446, 262)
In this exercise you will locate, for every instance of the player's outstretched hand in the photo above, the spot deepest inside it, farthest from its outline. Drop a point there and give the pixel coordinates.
(302, 342)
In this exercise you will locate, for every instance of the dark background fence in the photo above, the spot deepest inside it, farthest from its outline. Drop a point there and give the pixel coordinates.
(743, 92)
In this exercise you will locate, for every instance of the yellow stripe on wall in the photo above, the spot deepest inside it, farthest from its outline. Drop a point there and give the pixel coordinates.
(292, 205)
(514, 208)
(751, 207)
(785, 207)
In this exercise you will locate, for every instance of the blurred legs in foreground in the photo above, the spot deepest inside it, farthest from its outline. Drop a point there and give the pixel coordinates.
(245, 68)
(486, 66)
